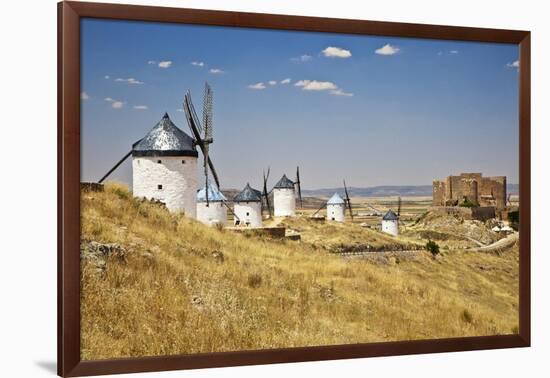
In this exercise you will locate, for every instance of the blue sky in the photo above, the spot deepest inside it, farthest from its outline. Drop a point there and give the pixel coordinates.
(372, 110)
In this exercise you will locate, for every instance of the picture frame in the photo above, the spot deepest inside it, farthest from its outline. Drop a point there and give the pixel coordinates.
(69, 17)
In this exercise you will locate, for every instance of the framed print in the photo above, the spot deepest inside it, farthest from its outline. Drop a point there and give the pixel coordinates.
(239, 188)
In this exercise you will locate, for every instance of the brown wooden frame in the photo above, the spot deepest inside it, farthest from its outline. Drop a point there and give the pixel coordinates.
(69, 14)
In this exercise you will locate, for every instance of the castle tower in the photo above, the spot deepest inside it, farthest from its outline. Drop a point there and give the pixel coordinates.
(390, 223)
(248, 207)
(284, 198)
(164, 167)
(213, 211)
(336, 208)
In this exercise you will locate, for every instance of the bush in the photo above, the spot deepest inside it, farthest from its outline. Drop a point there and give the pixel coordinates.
(468, 203)
(254, 280)
(432, 247)
(467, 316)
(513, 218)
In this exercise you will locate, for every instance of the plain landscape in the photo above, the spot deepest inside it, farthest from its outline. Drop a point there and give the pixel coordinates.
(176, 286)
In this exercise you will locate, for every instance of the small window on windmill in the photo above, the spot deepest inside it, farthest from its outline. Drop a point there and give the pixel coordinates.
(183, 162)
(159, 161)
(159, 186)
(247, 213)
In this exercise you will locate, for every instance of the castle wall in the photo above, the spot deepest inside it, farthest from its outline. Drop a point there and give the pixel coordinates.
(177, 180)
(438, 193)
(468, 190)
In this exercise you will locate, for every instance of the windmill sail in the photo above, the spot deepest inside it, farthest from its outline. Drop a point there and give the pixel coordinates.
(197, 131)
(265, 193)
(348, 201)
(298, 184)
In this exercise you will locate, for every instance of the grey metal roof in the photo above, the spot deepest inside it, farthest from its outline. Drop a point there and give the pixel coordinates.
(390, 216)
(335, 200)
(284, 183)
(165, 139)
(214, 195)
(248, 194)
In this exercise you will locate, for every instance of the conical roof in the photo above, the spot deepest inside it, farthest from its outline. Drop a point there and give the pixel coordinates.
(165, 139)
(284, 183)
(335, 200)
(390, 215)
(214, 195)
(248, 194)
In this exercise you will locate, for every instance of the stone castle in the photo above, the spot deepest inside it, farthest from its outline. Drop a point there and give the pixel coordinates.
(482, 191)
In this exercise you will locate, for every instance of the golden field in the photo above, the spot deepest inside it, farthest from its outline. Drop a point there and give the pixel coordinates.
(176, 286)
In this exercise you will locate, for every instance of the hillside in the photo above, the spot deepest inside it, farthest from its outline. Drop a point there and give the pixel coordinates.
(154, 283)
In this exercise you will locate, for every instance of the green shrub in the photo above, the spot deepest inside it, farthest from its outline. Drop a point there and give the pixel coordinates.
(432, 247)
(513, 218)
(468, 203)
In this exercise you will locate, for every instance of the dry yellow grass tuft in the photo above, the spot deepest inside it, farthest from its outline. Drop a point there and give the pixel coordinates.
(182, 287)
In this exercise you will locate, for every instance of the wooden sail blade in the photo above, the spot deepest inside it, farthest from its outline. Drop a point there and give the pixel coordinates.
(115, 167)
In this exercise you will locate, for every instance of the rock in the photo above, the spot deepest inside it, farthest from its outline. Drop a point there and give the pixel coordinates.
(94, 250)
(218, 256)
(196, 300)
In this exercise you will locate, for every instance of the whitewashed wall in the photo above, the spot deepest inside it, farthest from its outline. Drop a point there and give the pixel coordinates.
(178, 180)
(214, 213)
(284, 202)
(390, 227)
(249, 212)
(335, 213)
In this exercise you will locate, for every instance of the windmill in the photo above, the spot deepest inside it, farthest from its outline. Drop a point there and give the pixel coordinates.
(348, 201)
(265, 193)
(298, 184)
(202, 133)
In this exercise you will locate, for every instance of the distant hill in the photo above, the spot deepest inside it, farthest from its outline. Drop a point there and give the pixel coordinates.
(387, 191)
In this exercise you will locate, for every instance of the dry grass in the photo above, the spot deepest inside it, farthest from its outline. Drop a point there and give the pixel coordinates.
(173, 294)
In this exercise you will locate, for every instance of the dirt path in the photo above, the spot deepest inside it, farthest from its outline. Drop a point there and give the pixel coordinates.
(499, 244)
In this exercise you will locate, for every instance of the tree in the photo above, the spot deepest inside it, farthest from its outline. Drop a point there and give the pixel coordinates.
(432, 247)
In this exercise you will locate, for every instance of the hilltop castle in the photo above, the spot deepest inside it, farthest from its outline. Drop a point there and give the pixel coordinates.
(472, 187)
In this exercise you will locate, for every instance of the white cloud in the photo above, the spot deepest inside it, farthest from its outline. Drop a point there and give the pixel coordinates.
(387, 49)
(257, 86)
(117, 104)
(198, 64)
(165, 64)
(215, 71)
(179, 110)
(152, 62)
(454, 51)
(302, 58)
(141, 107)
(285, 81)
(336, 52)
(314, 85)
(339, 92)
(130, 80)
(84, 96)
(272, 82)
(440, 53)
(107, 77)
(514, 64)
